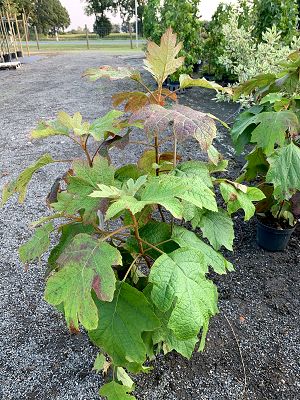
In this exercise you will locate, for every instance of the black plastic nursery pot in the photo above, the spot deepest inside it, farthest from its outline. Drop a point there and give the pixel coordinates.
(7, 57)
(19, 54)
(272, 239)
(13, 56)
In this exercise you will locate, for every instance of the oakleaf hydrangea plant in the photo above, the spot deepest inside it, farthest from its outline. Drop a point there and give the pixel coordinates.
(126, 266)
(271, 127)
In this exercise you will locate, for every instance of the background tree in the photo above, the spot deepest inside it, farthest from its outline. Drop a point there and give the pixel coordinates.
(183, 17)
(151, 26)
(50, 16)
(281, 13)
(19, 5)
(214, 43)
(98, 7)
(127, 11)
(102, 26)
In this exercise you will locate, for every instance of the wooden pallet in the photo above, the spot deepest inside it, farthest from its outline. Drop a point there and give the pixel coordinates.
(10, 65)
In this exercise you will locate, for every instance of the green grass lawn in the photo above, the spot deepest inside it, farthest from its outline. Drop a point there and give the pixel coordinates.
(61, 47)
(82, 36)
(94, 36)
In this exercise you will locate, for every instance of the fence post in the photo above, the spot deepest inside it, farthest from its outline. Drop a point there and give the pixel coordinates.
(36, 38)
(87, 37)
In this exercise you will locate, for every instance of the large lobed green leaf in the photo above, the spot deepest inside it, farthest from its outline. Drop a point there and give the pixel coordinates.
(186, 81)
(20, 184)
(185, 238)
(272, 128)
(243, 127)
(81, 185)
(217, 227)
(68, 232)
(179, 281)
(257, 165)
(109, 123)
(115, 391)
(85, 264)
(37, 245)
(166, 190)
(251, 85)
(121, 324)
(165, 336)
(49, 128)
(284, 171)
(237, 199)
(66, 124)
(196, 169)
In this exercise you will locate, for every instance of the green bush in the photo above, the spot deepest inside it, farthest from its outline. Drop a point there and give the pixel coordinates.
(126, 267)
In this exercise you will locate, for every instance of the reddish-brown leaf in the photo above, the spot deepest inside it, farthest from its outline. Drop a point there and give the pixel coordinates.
(134, 101)
(186, 122)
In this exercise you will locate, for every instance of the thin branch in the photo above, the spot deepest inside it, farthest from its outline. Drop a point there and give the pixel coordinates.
(136, 232)
(153, 247)
(90, 161)
(148, 90)
(156, 146)
(161, 213)
(63, 161)
(98, 148)
(131, 265)
(86, 140)
(111, 234)
(175, 150)
(241, 356)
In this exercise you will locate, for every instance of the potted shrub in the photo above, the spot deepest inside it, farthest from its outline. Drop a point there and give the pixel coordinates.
(125, 266)
(272, 126)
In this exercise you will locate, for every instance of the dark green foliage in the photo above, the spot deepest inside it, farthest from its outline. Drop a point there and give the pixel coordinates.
(102, 26)
(50, 16)
(273, 127)
(183, 17)
(98, 7)
(281, 13)
(214, 42)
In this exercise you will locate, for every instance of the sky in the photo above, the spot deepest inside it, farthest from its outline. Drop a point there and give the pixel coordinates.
(78, 18)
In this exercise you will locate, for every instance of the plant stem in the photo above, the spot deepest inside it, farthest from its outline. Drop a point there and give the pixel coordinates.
(83, 144)
(98, 148)
(241, 356)
(148, 90)
(63, 161)
(136, 232)
(153, 247)
(280, 209)
(131, 265)
(156, 146)
(175, 150)
(115, 232)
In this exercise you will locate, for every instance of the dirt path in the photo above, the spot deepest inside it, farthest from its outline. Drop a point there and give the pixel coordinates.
(38, 357)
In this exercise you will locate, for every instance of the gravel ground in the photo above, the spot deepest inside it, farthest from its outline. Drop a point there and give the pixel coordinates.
(39, 359)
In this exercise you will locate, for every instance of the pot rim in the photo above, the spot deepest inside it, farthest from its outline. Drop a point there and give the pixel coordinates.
(274, 230)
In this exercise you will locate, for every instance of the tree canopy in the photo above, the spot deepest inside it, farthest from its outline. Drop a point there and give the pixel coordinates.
(46, 15)
(50, 16)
